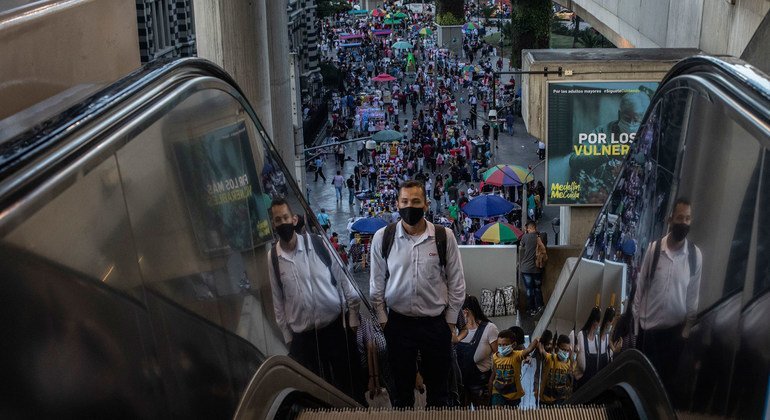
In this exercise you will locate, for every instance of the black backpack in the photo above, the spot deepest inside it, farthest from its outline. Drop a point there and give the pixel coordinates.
(692, 258)
(390, 234)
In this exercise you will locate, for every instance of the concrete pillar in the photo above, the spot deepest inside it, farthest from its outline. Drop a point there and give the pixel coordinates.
(233, 34)
(296, 118)
(279, 76)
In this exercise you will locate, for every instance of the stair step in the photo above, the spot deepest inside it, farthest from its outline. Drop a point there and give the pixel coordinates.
(587, 412)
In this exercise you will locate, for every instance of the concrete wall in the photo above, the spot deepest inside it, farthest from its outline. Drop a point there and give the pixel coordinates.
(588, 64)
(490, 267)
(49, 47)
(714, 26)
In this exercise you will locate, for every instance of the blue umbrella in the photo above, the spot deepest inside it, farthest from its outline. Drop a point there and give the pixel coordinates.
(488, 206)
(368, 225)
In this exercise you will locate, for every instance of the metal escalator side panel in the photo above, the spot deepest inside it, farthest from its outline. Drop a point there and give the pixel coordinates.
(582, 412)
(269, 391)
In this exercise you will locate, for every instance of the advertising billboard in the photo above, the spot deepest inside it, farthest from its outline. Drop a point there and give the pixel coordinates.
(590, 129)
(222, 189)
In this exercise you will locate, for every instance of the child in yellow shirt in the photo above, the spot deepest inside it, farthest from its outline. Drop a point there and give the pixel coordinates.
(506, 386)
(557, 382)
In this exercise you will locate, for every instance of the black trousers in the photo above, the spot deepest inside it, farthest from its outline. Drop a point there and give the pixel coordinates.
(663, 347)
(431, 337)
(331, 353)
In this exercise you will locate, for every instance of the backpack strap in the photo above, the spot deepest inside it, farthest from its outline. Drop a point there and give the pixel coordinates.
(477, 337)
(387, 243)
(655, 259)
(276, 270)
(390, 235)
(692, 257)
(323, 253)
(441, 244)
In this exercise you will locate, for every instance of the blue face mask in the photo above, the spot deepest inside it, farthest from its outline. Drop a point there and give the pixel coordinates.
(563, 355)
(504, 350)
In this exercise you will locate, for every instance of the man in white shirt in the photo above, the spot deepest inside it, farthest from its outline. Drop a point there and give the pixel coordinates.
(309, 302)
(666, 299)
(422, 297)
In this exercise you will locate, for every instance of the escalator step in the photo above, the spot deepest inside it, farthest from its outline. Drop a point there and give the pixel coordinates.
(581, 412)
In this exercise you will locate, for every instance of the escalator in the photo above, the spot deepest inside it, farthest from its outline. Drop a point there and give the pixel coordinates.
(135, 232)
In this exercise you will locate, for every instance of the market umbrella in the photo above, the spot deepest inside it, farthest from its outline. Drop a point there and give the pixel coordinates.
(391, 22)
(488, 206)
(383, 77)
(506, 176)
(399, 15)
(426, 31)
(498, 232)
(378, 13)
(387, 136)
(402, 45)
(368, 225)
(358, 12)
(470, 26)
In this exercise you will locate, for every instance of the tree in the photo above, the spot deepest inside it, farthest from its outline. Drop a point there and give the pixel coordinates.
(530, 26)
(450, 12)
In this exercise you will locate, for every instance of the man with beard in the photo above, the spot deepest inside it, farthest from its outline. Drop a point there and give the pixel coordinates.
(417, 273)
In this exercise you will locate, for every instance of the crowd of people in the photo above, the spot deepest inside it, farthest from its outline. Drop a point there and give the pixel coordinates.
(443, 145)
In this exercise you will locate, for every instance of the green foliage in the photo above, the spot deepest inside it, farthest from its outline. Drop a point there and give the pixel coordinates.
(448, 19)
(332, 75)
(530, 26)
(559, 28)
(326, 8)
(591, 38)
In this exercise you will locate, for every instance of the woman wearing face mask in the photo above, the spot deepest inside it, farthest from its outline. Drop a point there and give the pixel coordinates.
(474, 353)
(591, 349)
(557, 382)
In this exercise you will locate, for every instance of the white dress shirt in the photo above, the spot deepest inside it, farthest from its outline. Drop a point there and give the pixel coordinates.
(306, 298)
(672, 297)
(418, 286)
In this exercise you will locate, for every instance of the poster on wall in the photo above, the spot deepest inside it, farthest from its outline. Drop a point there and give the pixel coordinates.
(222, 190)
(591, 127)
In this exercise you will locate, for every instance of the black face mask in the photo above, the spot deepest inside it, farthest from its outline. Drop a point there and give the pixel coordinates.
(411, 215)
(679, 231)
(285, 231)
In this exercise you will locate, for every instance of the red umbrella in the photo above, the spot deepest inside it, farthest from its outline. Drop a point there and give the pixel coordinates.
(383, 77)
(378, 13)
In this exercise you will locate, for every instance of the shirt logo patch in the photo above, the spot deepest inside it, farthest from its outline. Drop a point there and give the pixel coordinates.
(432, 254)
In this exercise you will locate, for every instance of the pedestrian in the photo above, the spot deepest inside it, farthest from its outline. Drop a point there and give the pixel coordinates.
(319, 164)
(419, 319)
(304, 275)
(339, 182)
(665, 302)
(591, 349)
(360, 151)
(509, 122)
(323, 220)
(507, 390)
(530, 272)
(558, 370)
(351, 183)
(474, 353)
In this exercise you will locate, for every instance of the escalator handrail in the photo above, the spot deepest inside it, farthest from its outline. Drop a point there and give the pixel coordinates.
(18, 151)
(55, 142)
(630, 375)
(746, 85)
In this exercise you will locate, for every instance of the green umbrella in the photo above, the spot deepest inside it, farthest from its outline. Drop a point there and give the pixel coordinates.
(391, 22)
(426, 31)
(387, 136)
(398, 15)
(402, 45)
